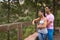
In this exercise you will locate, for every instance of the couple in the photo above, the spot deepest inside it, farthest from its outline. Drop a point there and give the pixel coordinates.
(45, 24)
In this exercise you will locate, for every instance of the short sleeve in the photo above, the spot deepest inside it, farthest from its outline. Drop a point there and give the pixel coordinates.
(51, 18)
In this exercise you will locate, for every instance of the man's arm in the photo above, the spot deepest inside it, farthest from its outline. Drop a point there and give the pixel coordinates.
(49, 22)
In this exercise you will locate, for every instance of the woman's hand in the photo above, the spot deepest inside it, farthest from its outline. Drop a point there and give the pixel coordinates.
(33, 23)
(35, 20)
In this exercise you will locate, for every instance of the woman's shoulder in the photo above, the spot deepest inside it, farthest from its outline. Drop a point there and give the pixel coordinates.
(45, 18)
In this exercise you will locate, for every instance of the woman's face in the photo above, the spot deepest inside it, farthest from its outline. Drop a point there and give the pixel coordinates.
(40, 14)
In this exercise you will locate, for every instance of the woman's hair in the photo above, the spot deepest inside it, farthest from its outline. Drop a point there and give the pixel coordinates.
(43, 12)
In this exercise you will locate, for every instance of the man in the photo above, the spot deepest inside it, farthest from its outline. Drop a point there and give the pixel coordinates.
(50, 22)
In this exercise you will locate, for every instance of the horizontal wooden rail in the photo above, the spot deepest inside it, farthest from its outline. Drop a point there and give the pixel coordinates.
(11, 26)
(32, 37)
(18, 25)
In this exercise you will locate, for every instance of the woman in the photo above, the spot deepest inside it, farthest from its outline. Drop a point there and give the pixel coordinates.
(41, 25)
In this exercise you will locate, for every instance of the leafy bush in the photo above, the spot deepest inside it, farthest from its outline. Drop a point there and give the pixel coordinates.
(3, 35)
(28, 31)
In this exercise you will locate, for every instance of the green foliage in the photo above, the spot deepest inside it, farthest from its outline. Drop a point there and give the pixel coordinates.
(12, 35)
(57, 19)
(28, 31)
(17, 14)
(3, 36)
(49, 2)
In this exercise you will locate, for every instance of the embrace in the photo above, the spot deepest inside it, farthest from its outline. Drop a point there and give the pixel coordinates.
(45, 24)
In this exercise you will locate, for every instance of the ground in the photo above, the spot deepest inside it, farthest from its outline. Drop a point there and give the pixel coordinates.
(33, 36)
(57, 36)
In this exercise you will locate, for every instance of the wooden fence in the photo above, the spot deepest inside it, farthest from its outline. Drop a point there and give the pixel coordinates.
(19, 26)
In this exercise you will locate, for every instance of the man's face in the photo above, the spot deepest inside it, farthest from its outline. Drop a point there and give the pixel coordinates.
(47, 9)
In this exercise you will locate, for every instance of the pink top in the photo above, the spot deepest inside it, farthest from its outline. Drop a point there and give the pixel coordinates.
(50, 17)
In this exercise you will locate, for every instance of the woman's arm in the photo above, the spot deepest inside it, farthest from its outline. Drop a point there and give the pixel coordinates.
(44, 25)
(33, 22)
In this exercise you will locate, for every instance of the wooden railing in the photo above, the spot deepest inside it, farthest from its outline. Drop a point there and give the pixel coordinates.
(19, 25)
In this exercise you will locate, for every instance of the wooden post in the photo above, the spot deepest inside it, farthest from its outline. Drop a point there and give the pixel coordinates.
(8, 12)
(8, 34)
(20, 31)
(8, 7)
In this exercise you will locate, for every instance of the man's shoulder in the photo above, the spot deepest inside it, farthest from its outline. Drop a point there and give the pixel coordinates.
(51, 15)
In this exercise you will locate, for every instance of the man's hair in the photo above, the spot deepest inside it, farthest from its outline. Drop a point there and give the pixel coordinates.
(49, 7)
